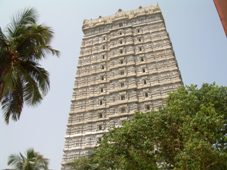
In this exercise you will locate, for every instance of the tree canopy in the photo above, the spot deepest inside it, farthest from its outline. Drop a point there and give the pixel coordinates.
(32, 160)
(22, 80)
(188, 133)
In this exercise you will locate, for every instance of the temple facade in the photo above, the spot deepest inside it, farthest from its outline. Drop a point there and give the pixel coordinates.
(126, 65)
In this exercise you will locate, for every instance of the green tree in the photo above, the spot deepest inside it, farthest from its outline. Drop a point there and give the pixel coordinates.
(30, 161)
(187, 134)
(84, 163)
(22, 79)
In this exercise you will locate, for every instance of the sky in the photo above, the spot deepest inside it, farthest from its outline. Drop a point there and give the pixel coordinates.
(195, 30)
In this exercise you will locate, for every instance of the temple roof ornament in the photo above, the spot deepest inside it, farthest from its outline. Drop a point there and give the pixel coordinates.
(119, 15)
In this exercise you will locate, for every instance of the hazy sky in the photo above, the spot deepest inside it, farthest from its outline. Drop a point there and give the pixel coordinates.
(198, 40)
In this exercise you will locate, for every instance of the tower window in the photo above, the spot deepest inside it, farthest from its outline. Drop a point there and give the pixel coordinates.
(99, 127)
(139, 39)
(102, 67)
(122, 72)
(100, 115)
(99, 139)
(147, 107)
(146, 94)
(121, 61)
(121, 51)
(104, 47)
(104, 38)
(122, 97)
(143, 70)
(102, 77)
(144, 81)
(121, 41)
(101, 90)
(123, 110)
(122, 84)
(120, 24)
(100, 102)
(103, 56)
(138, 31)
(140, 48)
(141, 59)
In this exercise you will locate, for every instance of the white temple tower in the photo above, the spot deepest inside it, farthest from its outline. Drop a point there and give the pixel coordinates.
(126, 65)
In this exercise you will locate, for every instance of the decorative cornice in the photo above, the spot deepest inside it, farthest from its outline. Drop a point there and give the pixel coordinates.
(119, 15)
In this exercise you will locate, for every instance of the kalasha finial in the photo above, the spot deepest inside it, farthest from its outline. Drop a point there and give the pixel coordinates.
(157, 5)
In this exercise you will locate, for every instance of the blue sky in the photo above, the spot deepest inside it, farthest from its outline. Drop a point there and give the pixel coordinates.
(195, 30)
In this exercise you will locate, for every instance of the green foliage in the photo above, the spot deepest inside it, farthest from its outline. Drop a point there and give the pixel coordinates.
(30, 161)
(84, 163)
(187, 134)
(22, 79)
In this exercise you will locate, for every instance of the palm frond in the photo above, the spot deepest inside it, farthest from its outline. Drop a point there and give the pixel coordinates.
(46, 32)
(31, 93)
(35, 82)
(15, 161)
(36, 40)
(21, 77)
(22, 157)
(9, 78)
(38, 74)
(3, 40)
(39, 162)
(49, 49)
(3, 45)
(30, 161)
(28, 16)
(30, 154)
(3, 49)
(12, 103)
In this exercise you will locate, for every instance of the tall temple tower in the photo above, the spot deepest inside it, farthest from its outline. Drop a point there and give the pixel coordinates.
(126, 65)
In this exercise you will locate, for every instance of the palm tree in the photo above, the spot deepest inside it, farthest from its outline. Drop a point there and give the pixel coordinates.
(30, 161)
(22, 79)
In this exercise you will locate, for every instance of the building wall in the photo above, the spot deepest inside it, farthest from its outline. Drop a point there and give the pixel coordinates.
(126, 65)
(221, 6)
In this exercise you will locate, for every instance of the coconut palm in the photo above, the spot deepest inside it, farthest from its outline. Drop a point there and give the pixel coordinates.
(22, 79)
(30, 161)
